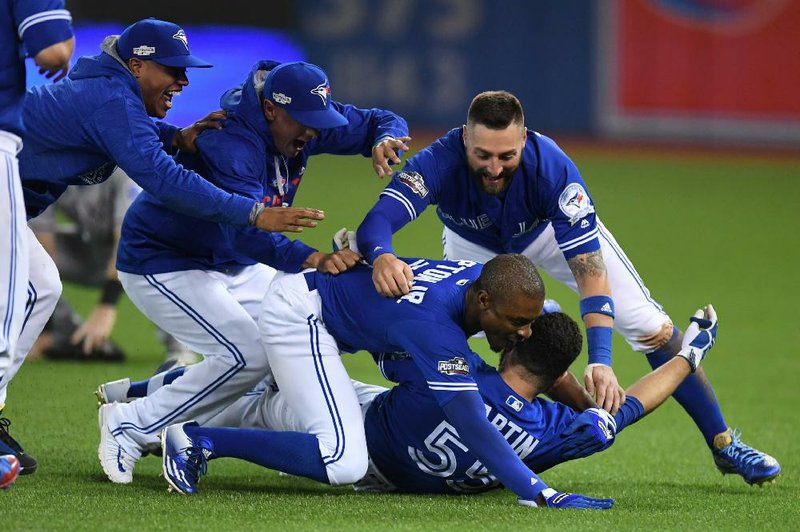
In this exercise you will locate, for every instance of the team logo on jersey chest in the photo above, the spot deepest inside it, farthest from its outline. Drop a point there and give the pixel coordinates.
(415, 182)
(575, 203)
(454, 366)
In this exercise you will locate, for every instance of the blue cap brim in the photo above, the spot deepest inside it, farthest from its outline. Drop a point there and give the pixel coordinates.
(323, 119)
(184, 61)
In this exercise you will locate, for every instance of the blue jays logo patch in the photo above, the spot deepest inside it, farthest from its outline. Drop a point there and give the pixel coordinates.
(415, 182)
(323, 90)
(454, 366)
(181, 36)
(575, 203)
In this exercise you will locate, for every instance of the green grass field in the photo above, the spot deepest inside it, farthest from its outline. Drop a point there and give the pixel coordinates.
(700, 228)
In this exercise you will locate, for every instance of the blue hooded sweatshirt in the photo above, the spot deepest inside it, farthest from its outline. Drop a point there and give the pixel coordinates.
(79, 130)
(241, 158)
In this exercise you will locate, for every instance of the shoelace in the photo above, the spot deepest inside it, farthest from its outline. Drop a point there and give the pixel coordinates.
(741, 452)
(6, 437)
(196, 461)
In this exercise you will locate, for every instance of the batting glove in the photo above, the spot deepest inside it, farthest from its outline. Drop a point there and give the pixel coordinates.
(575, 501)
(344, 239)
(592, 431)
(699, 336)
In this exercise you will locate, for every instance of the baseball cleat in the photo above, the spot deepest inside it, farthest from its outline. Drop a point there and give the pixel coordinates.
(9, 470)
(184, 460)
(117, 463)
(751, 464)
(113, 392)
(9, 445)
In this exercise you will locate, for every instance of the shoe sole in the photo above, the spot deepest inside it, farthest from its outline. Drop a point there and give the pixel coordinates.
(760, 482)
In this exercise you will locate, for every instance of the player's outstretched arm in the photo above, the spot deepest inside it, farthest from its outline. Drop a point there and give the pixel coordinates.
(655, 387)
(466, 413)
(597, 310)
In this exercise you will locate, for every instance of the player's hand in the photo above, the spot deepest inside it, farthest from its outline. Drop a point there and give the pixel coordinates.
(391, 276)
(601, 383)
(96, 329)
(551, 498)
(387, 152)
(333, 263)
(592, 431)
(288, 219)
(184, 138)
(56, 73)
(699, 337)
(53, 61)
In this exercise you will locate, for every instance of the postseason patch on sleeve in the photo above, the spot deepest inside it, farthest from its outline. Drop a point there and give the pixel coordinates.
(454, 366)
(415, 182)
(574, 202)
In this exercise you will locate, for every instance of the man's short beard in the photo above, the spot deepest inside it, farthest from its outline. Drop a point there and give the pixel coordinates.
(505, 175)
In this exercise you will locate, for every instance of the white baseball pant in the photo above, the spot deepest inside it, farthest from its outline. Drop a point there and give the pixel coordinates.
(29, 282)
(214, 314)
(637, 314)
(305, 361)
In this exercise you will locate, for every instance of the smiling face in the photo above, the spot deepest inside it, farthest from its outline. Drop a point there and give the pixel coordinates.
(289, 135)
(508, 320)
(159, 84)
(493, 155)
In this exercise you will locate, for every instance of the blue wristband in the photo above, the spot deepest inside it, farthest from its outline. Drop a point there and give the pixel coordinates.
(598, 305)
(598, 340)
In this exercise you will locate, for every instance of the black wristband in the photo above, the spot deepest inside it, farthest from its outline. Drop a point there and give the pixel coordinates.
(112, 289)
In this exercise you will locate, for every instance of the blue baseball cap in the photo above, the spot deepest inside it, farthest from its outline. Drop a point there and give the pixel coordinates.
(302, 89)
(160, 41)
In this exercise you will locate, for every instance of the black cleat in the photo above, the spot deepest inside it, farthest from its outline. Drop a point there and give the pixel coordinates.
(9, 445)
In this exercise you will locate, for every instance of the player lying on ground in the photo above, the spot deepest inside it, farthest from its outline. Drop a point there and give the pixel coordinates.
(413, 448)
(499, 187)
(308, 318)
(204, 282)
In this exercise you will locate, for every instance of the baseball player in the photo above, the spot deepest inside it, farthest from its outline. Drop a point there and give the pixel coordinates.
(309, 318)
(40, 29)
(85, 252)
(412, 446)
(204, 282)
(499, 187)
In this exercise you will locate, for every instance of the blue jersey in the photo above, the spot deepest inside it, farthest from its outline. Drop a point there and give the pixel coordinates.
(546, 189)
(243, 159)
(427, 322)
(26, 28)
(418, 450)
(79, 130)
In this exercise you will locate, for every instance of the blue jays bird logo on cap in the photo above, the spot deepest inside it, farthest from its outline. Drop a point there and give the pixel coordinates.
(323, 90)
(181, 36)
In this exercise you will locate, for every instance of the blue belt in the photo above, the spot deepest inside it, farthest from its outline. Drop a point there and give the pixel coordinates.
(311, 280)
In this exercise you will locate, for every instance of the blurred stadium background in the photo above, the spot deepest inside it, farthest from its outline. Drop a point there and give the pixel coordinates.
(684, 119)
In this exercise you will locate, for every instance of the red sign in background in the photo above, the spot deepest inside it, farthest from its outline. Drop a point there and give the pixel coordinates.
(712, 58)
